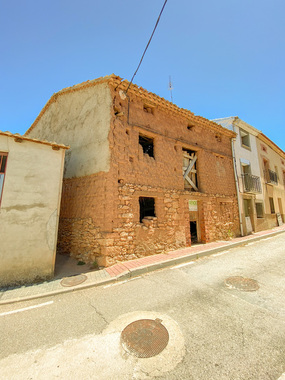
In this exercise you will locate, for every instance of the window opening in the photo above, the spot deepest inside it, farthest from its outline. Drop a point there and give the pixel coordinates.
(259, 210)
(147, 207)
(147, 108)
(272, 208)
(147, 145)
(190, 170)
(3, 162)
(245, 139)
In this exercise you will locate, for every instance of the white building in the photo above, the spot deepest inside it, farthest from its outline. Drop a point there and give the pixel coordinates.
(248, 174)
(30, 192)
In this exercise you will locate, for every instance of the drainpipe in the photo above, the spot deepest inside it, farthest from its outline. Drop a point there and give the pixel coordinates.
(237, 186)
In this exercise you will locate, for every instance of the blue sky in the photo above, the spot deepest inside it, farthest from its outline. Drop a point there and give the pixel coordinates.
(225, 57)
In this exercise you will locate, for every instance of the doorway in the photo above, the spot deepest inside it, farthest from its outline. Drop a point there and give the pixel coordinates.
(193, 232)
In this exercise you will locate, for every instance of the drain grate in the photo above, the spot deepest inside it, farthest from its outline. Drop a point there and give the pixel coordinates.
(73, 280)
(242, 283)
(145, 338)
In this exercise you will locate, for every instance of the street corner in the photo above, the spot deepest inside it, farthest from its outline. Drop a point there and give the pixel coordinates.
(151, 341)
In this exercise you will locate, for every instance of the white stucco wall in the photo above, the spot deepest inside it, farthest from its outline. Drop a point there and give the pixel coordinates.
(80, 119)
(244, 154)
(29, 210)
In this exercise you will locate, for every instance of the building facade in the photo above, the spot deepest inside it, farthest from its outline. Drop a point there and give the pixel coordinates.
(260, 174)
(248, 173)
(272, 164)
(143, 176)
(31, 174)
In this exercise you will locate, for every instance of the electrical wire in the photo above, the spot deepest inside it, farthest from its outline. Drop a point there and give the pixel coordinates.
(147, 45)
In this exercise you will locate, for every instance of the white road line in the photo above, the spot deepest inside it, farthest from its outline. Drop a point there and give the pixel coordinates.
(26, 308)
(183, 265)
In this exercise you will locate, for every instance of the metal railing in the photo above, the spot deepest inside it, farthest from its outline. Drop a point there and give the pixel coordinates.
(270, 176)
(251, 183)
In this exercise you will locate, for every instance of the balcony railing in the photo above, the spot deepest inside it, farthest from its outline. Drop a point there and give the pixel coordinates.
(251, 183)
(270, 176)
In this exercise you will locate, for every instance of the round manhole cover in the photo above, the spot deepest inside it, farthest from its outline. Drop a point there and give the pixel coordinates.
(73, 280)
(145, 338)
(242, 283)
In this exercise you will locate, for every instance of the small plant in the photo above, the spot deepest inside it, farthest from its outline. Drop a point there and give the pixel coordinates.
(81, 263)
(230, 234)
(95, 265)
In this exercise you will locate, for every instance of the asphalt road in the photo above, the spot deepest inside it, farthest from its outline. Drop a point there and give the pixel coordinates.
(215, 332)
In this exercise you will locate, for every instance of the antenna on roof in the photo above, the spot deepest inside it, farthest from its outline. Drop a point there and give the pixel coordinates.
(170, 88)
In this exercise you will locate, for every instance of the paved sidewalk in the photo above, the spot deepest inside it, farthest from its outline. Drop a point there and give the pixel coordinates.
(127, 269)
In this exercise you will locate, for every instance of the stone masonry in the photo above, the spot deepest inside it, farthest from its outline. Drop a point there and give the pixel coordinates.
(102, 215)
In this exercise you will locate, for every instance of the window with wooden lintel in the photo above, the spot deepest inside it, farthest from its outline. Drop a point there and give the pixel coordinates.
(147, 145)
(3, 162)
(190, 170)
(147, 207)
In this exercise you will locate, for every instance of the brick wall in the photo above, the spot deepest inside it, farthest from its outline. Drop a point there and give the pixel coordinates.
(100, 213)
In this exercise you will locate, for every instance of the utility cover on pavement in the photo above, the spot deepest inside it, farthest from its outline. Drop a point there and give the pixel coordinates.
(73, 280)
(145, 338)
(242, 283)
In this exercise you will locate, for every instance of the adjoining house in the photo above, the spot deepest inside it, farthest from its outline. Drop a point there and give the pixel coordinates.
(272, 164)
(30, 191)
(248, 174)
(143, 176)
(260, 173)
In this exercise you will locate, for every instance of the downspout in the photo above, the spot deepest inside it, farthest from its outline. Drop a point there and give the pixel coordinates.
(237, 186)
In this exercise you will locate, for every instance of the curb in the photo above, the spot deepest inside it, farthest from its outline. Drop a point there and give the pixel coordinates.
(135, 272)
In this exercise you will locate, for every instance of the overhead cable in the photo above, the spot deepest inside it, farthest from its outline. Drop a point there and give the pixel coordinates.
(147, 45)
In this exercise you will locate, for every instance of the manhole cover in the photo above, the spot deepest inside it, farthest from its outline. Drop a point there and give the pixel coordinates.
(145, 338)
(242, 283)
(73, 280)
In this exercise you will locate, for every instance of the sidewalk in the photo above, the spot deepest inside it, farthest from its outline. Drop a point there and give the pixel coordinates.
(124, 270)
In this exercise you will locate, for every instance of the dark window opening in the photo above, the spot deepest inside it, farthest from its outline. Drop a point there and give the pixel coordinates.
(272, 208)
(147, 145)
(146, 207)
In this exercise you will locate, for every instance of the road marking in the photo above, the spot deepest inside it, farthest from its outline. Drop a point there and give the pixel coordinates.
(183, 265)
(219, 254)
(26, 308)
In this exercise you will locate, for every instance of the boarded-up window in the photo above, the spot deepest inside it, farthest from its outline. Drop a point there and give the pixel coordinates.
(190, 170)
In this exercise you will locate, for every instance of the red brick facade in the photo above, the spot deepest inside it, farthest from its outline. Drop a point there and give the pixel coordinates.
(100, 213)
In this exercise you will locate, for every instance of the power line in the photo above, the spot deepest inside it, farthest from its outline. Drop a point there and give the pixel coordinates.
(147, 45)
